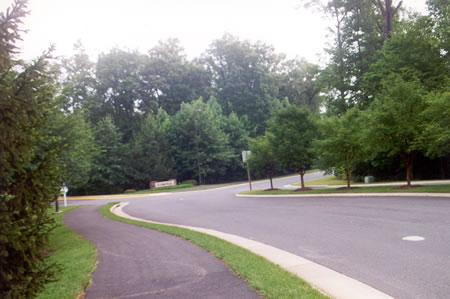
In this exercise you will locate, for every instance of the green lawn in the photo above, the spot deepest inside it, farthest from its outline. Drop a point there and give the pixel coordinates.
(76, 255)
(163, 189)
(268, 279)
(332, 180)
(329, 180)
(370, 189)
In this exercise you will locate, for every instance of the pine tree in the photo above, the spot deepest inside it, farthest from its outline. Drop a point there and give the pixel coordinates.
(28, 176)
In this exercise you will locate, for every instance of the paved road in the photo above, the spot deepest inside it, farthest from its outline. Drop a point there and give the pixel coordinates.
(135, 262)
(360, 237)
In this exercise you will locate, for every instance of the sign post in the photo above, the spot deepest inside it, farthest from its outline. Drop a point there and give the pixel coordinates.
(245, 156)
(64, 189)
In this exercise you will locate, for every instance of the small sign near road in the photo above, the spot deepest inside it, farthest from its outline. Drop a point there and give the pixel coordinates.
(64, 190)
(245, 155)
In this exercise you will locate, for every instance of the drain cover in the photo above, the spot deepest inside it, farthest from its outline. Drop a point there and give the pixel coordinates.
(413, 238)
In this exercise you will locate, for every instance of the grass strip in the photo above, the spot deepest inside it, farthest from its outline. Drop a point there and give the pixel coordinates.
(76, 255)
(162, 189)
(371, 189)
(268, 279)
(329, 180)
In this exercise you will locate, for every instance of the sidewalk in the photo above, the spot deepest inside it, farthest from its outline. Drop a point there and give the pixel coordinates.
(135, 262)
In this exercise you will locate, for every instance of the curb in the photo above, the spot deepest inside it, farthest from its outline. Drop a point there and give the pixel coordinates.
(353, 195)
(332, 283)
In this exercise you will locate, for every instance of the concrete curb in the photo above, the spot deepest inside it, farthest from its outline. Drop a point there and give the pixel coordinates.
(332, 283)
(353, 195)
(439, 182)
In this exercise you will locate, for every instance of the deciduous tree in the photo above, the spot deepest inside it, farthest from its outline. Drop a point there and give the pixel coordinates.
(340, 146)
(292, 131)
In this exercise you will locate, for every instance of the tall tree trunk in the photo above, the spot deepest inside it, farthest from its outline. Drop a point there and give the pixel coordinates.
(408, 159)
(348, 174)
(302, 174)
(271, 184)
(388, 12)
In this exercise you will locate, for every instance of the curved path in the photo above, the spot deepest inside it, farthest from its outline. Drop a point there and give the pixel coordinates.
(360, 237)
(135, 262)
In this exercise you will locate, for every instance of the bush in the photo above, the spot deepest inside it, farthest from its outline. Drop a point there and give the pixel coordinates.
(192, 182)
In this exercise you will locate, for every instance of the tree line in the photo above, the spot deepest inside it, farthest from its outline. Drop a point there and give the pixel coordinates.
(379, 106)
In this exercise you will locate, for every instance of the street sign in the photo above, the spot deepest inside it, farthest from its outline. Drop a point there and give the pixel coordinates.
(245, 155)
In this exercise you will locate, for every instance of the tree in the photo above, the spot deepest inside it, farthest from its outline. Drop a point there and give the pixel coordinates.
(77, 80)
(436, 124)
(172, 79)
(440, 15)
(238, 130)
(108, 170)
(244, 78)
(262, 157)
(120, 91)
(388, 11)
(358, 34)
(29, 174)
(148, 156)
(75, 139)
(201, 148)
(292, 131)
(299, 83)
(341, 146)
(412, 53)
(395, 124)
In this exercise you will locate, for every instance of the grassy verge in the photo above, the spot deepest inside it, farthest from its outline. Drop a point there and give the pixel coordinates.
(162, 189)
(75, 254)
(332, 180)
(329, 180)
(268, 279)
(371, 189)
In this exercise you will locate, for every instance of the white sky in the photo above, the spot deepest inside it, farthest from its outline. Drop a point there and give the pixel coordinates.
(140, 24)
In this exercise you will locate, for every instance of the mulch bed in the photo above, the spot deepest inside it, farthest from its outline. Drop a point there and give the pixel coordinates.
(346, 188)
(407, 187)
(302, 189)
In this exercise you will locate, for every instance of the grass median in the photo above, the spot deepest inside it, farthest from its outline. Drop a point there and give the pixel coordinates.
(162, 189)
(268, 279)
(76, 256)
(371, 189)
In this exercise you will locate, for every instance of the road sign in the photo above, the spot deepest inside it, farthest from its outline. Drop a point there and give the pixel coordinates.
(245, 155)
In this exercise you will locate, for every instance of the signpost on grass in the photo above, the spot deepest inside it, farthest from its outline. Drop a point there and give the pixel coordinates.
(64, 189)
(245, 156)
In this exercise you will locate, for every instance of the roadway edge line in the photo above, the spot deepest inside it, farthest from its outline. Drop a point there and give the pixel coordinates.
(330, 282)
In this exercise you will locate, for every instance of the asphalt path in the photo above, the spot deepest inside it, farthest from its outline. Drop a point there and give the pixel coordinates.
(361, 237)
(135, 262)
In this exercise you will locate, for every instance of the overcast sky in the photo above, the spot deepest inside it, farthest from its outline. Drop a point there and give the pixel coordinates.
(140, 24)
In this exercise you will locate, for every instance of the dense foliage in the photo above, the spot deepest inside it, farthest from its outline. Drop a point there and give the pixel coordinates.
(29, 172)
(379, 106)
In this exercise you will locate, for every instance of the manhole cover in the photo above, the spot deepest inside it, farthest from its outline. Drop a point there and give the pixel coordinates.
(413, 238)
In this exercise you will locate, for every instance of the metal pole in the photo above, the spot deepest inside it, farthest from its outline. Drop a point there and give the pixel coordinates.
(65, 198)
(249, 177)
